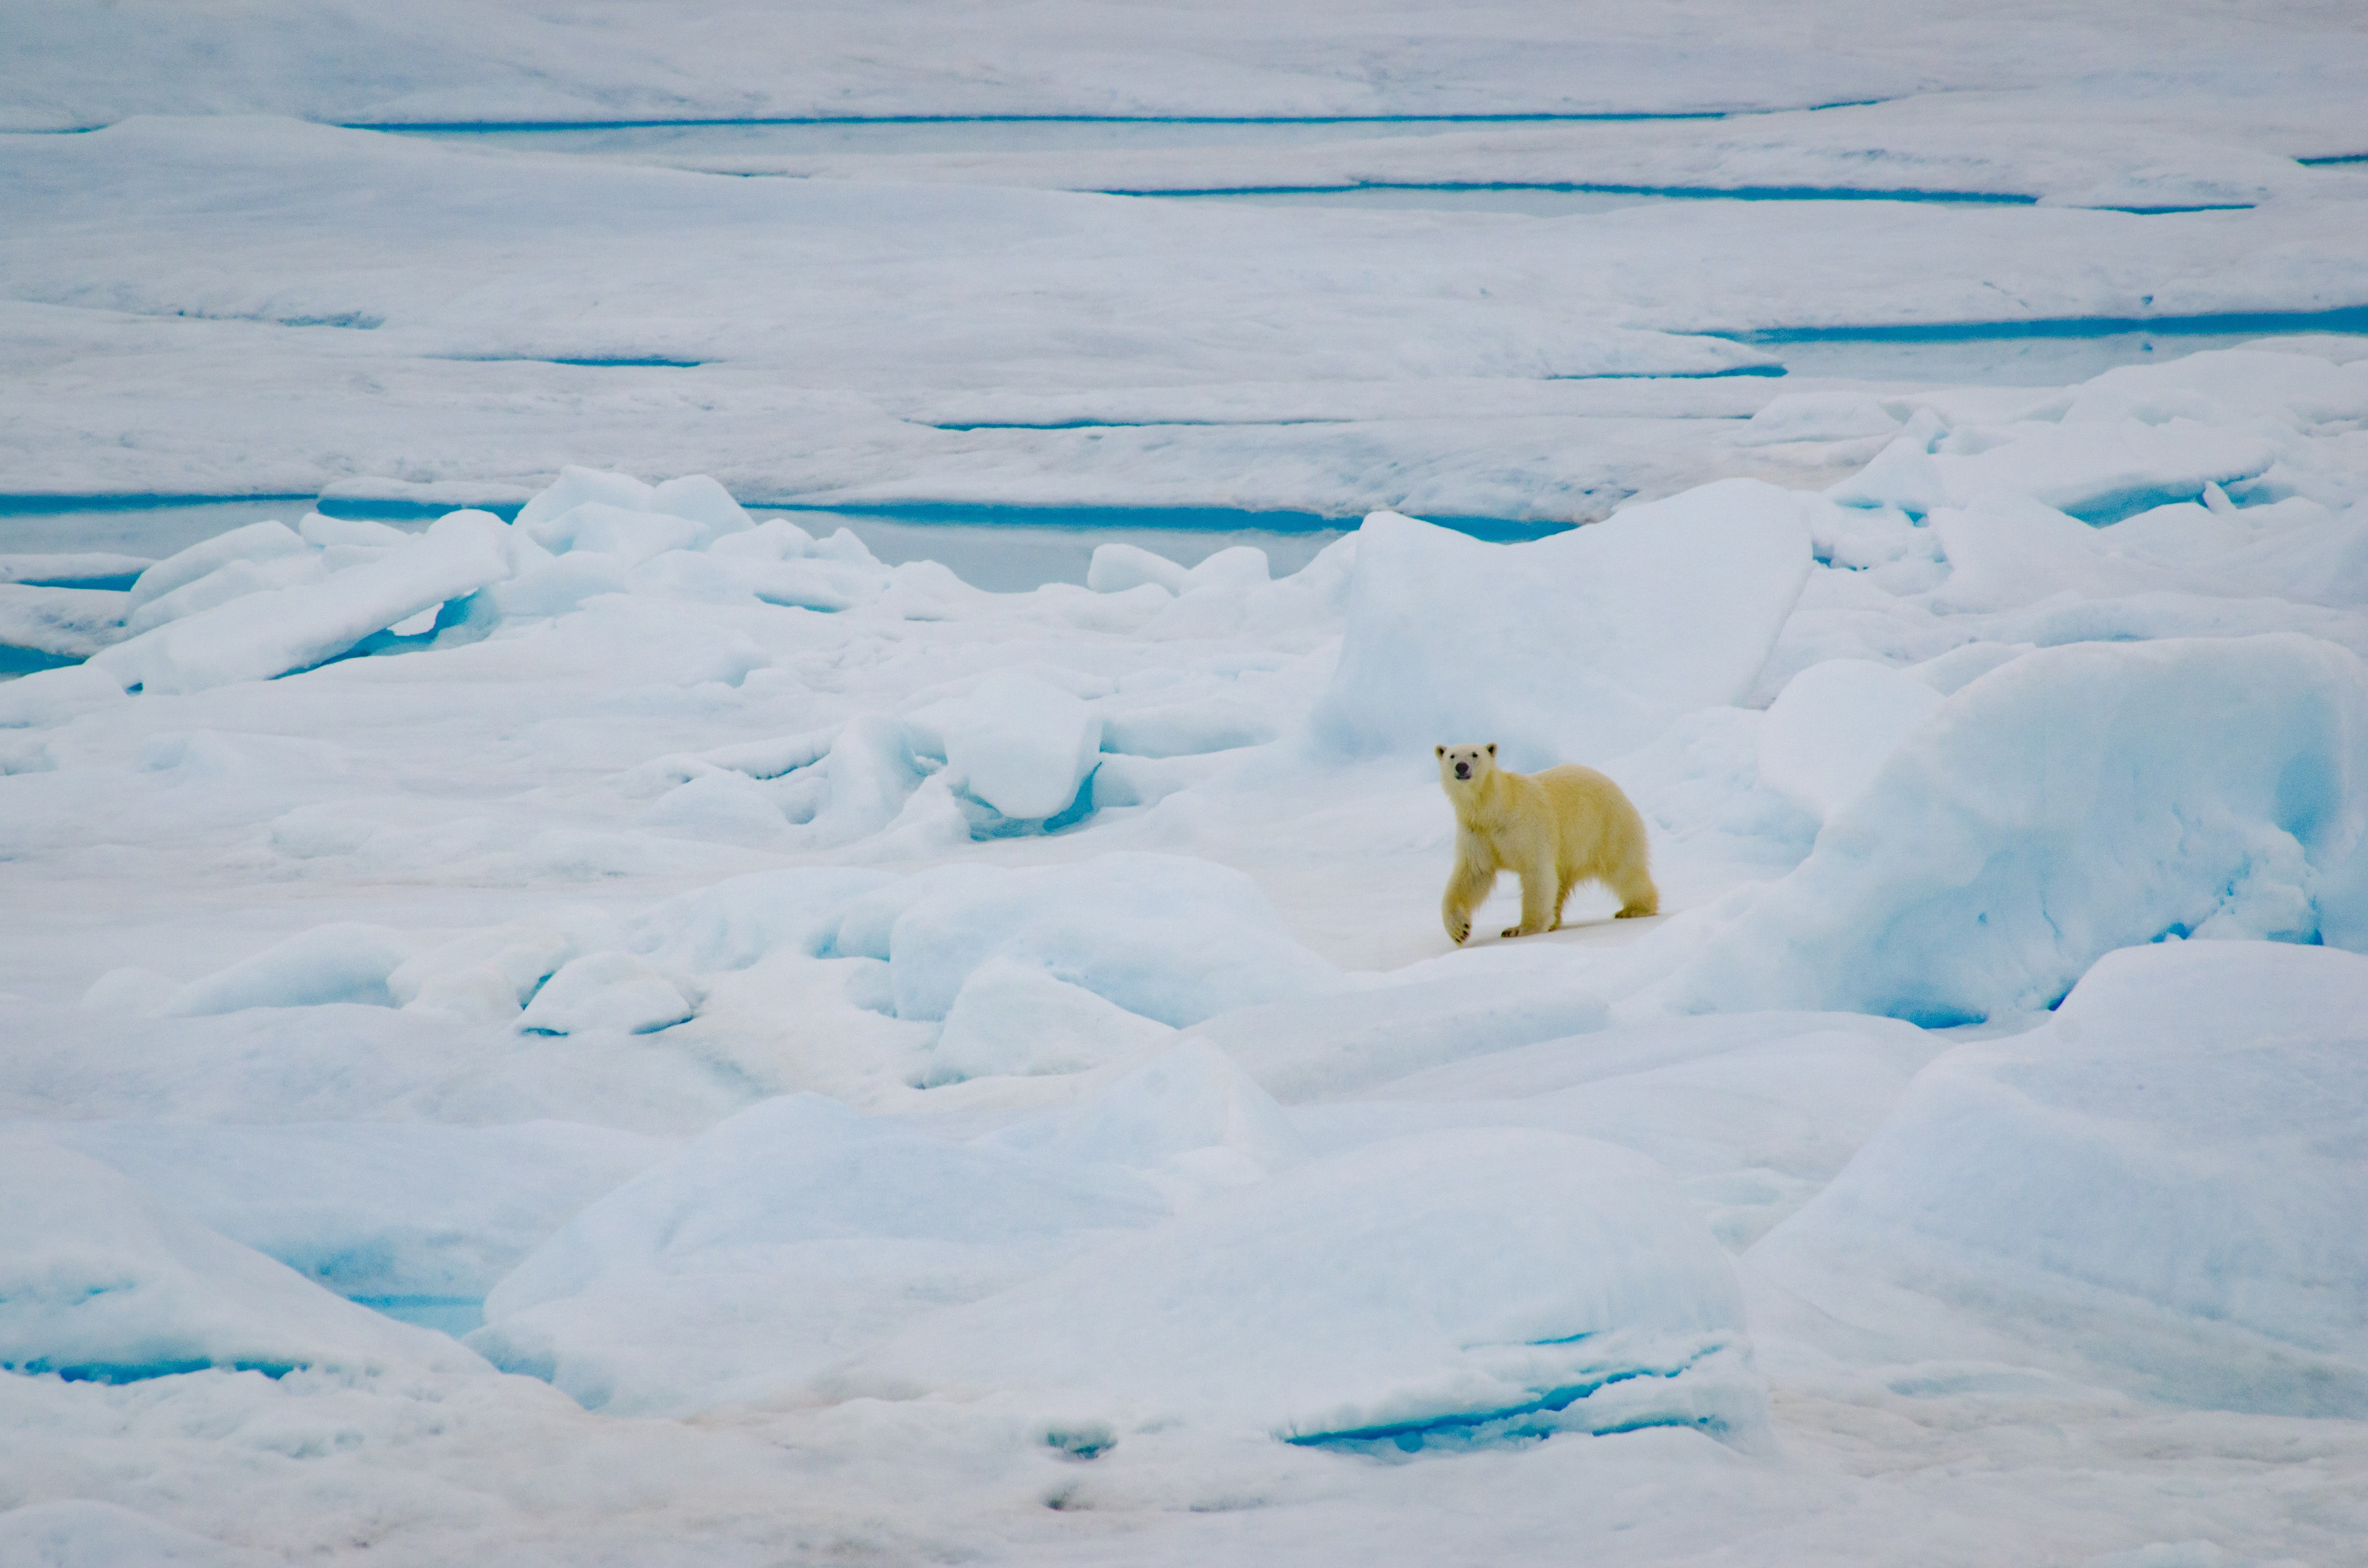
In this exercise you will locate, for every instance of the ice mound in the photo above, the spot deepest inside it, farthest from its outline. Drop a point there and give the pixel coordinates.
(1340, 1042)
(741, 920)
(1189, 1109)
(1022, 745)
(615, 991)
(1170, 938)
(1575, 648)
(1187, 729)
(2071, 801)
(68, 623)
(99, 1281)
(375, 1210)
(2165, 1181)
(1753, 1113)
(776, 1243)
(592, 509)
(273, 630)
(1446, 1289)
(343, 962)
(254, 543)
(1013, 1017)
(1832, 726)
(2006, 552)
(2231, 421)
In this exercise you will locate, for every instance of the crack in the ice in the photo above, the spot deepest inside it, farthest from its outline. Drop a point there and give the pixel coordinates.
(2346, 318)
(1574, 188)
(499, 127)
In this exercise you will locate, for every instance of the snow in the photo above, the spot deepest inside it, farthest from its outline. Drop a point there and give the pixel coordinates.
(105, 1283)
(2163, 1174)
(776, 1242)
(1834, 725)
(1022, 746)
(861, 979)
(1561, 1286)
(1585, 649)
(2072, 802)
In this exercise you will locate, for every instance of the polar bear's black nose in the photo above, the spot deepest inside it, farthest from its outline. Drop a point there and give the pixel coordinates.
(1464, 771)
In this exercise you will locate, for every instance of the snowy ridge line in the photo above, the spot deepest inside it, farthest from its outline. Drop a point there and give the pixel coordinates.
(2336, 158)
(497, 127)
(2342, 319)
(1576, 187)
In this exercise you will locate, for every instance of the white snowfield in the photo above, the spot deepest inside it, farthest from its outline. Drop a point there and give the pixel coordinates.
(646, 1033)
(1005, 1039)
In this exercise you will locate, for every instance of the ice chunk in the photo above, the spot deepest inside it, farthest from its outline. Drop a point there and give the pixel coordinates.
(1022, 745)
(343, 962)
(576, 486)
(743, 919)
(291, 629)
(325, 532)
(704, 501)
(776, 538)
(376, 1209)
(776, 1243)
(2100, 472)
(1574, 648)
(870, 774)
(1903, 475)
(94, 569)
(1116, 568)
(231, 580)
(2164, 1181)
(1831, 727)
(1187, 729)
(599, 527)
(2007, 550)
(1188, 1106)
(605, 991)
(1236, 566)
(554, 588)
(1819, 417)
(488, 975)
(2075, 800)
(722, 804)
(71, 624)
(1011, 1018)
(1443, 1290)
(97, 1280)
(1168, 937)
(254, 543)
(2226, 387)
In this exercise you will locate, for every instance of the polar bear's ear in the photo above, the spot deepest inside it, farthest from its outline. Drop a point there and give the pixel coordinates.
(1438, 751)
(1492, 748)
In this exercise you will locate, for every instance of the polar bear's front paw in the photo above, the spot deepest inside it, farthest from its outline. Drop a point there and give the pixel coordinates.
(1513, 931)
(1459, 931)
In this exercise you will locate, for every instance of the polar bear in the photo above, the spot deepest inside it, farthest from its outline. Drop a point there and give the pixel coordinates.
(1554, 829)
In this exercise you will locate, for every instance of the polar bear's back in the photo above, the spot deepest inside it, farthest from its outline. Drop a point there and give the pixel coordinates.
(1597, 830)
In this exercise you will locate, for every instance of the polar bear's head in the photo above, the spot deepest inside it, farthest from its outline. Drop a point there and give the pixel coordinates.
(1465, 765)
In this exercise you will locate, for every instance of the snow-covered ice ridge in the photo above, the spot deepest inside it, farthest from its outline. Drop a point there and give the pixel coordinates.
(895, 1068)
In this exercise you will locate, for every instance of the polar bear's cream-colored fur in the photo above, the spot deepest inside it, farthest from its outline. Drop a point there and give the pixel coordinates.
(1554, 829)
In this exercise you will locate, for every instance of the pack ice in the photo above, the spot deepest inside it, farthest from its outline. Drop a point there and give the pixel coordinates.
(790, 1003)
